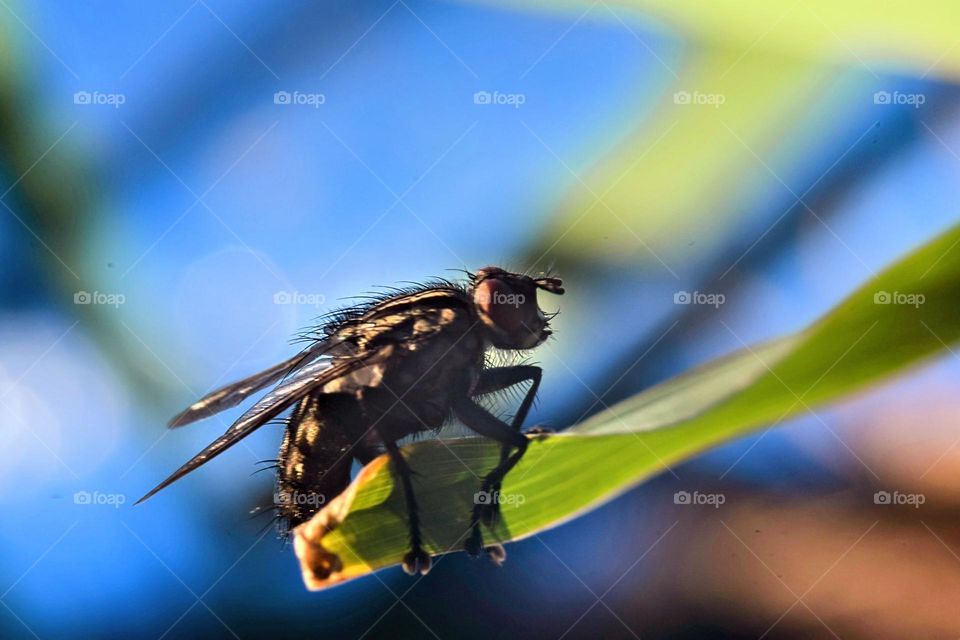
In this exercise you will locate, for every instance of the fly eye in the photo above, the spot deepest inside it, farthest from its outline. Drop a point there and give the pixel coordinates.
(506, 307)
(491, 292)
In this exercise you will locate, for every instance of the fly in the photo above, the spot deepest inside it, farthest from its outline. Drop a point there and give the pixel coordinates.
(375, 373)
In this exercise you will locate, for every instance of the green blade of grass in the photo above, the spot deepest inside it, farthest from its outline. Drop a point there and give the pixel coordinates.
(913, 38)
(907, 313)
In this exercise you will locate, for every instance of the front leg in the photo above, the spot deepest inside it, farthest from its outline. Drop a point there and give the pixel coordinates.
(484, 423)
(499, 378)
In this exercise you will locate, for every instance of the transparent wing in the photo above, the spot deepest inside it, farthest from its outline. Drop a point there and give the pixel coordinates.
(233, 394)
(309, 378)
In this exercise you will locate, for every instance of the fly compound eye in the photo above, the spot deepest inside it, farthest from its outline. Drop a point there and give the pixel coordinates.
(501, 304)
(508, 307)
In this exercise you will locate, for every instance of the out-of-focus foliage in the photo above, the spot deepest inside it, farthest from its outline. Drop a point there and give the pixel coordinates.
(915, 37)
(678, 182)
(688, 173)
(737, 139)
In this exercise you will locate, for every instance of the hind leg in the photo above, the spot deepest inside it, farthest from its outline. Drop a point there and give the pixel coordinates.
(415, 559)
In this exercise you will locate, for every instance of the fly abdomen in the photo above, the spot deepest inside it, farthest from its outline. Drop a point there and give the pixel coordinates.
(315, 458)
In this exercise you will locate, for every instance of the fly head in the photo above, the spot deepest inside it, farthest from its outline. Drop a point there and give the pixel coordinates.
(507, 305)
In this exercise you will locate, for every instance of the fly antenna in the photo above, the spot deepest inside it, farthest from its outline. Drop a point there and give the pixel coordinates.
(553, 285)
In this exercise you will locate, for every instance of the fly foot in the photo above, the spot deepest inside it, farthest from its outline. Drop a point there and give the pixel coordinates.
(497, 554)
(538, 430)
(417, 559)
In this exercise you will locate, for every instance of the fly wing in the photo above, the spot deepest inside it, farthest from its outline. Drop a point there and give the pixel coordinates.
(309, 378)
(234, 393)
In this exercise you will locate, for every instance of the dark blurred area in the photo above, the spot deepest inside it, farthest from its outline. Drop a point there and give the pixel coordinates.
(189, 184)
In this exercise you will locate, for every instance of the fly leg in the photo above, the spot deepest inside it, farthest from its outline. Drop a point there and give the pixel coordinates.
(499, 378)
(416, 557)
(496, 379)
(492, 380)
(484, 423)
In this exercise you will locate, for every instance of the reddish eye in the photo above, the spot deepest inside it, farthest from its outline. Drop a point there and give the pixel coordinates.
(504, 306)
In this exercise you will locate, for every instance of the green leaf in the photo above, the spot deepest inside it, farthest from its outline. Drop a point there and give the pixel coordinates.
(911, 38)
(907, 313)
(786, 81)
(637, 204)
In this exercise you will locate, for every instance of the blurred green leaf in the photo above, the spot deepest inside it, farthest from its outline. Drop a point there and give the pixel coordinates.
(687, 174)
(908, 37)
(907, 313)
